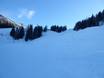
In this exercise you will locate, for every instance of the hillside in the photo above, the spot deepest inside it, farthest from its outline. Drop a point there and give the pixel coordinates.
(6, 22)
(69, 54)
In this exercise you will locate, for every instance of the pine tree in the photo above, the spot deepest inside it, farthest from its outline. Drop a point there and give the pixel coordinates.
(27, 34)
(77, 26)
(12, 33)
(17, 33)
(22, 32)
(30, 32)
(45, 29)
(37, 32)
(99, 17)
(64, 28)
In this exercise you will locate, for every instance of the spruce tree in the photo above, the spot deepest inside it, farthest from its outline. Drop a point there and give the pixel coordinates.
(45, 29)
(12, 33)
(22, 32)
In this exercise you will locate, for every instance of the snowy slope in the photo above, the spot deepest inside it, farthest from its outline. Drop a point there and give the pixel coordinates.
(66, 55)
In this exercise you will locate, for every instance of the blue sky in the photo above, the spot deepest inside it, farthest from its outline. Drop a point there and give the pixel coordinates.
(49, 12)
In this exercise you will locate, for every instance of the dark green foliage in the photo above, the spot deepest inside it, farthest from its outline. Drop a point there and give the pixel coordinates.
(33, 33)
(12, 33)
(26, 36)
(17, 33)
(45, 29)
(58, 29)
(90, 22)
(93, 21)
(29, 33)
(77, 26)
(37, 32)
(54, 28)
(21, 32)
(100, 16)
(64, 28)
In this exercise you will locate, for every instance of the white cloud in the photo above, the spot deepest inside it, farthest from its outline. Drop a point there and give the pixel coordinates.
(30, 14)
(25, 13)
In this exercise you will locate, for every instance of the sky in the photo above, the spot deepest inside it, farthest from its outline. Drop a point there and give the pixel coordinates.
(50, 12)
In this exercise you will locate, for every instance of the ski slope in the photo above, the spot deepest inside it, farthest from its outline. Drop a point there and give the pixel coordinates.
(69, 54)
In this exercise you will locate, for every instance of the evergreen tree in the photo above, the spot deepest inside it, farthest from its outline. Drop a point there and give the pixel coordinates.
(99, 17)
(27, 34)
(77, 26)
(53, 28)
(58, 29)
(17, 33)
(12, 33)
(37, 32)
(21, 32)
(93, 21)
(64, 28)
(30, 32)
(45, 29)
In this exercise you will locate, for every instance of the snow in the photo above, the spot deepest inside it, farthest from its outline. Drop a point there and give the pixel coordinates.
(69, 54)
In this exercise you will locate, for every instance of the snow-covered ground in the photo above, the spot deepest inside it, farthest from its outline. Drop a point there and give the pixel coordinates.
(69, 54)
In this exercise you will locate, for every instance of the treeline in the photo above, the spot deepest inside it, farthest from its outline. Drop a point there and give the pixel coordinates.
(31, 33)
(58, 29)
(90, 22)
(17, 32)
